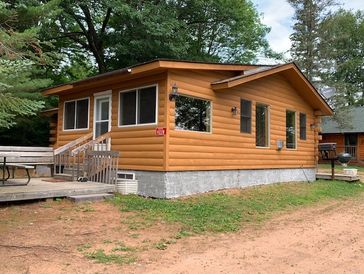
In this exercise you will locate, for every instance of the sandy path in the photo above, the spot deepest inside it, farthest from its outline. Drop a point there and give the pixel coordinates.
(326, 238)
(329, 239)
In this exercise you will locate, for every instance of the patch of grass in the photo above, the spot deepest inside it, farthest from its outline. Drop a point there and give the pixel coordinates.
(100, 256)
(83, 247)
(340, 167)
(163, 244)
(182, 233)
(123, 248)
(85, 207)
(226, 212)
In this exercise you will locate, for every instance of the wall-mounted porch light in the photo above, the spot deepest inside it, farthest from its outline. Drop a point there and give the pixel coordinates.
(234, 110)
(312, 126)
(174, 93)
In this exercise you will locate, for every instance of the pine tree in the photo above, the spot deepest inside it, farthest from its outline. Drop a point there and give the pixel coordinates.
(21, 63)
(306, 36)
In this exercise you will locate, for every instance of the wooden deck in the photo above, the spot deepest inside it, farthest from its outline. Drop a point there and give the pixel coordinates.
(340, 177)
(41, 188)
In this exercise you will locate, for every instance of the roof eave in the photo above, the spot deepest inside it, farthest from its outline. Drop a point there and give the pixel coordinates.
(325, 109)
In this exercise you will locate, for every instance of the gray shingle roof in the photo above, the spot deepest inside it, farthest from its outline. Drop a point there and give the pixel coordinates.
(356, 115)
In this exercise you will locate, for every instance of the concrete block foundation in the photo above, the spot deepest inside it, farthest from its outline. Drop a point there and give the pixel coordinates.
(171, 184)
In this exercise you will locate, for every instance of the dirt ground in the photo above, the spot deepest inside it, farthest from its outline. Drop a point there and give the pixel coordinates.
(53, 237)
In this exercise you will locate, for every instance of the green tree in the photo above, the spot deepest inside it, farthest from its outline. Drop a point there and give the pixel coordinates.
(223, 30)
(118, 33)
(342, 55)
(22, 62)
(306, 34)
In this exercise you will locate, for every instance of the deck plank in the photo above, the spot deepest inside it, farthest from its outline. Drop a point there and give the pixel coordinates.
(40, 189)
(340, 177)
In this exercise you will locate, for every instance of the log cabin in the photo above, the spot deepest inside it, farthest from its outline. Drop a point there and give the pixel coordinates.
(185, 127)
(348, 138)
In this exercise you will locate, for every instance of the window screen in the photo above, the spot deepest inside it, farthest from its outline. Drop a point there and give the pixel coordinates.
(245, 116)
(82, 113)
(69, 115)
(290, 129)
(147, 98)
(76, 114)
(127, 108)
(303, 127)
(261, 123)
(138, 107)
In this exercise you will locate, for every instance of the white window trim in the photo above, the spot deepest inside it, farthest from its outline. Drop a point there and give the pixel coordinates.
(102, 95)
(295, 129)
(136, 107)
(268, 127)
(196, 131)
(88, 114)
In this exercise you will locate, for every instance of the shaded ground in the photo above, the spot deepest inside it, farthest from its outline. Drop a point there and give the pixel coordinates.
(61, 237)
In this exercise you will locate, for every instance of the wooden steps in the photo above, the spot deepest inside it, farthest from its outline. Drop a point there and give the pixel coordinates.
(90, 197)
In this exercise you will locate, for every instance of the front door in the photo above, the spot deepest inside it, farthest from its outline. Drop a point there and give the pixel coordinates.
(102, 118)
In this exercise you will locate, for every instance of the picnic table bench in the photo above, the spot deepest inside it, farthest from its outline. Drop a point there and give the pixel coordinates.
(22, 158)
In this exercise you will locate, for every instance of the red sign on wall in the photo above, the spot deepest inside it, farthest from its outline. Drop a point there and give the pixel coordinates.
(160, 131)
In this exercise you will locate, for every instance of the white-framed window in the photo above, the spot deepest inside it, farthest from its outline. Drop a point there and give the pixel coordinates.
(290, 129)
(76, 114)
(193, 114)
(138, 106)
(262, 125)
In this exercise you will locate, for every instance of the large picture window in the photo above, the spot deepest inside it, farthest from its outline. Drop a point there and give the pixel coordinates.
(138, 107)
(245, 116)
(290, 129)
(262, 125)
(193, 114)
(76, 114)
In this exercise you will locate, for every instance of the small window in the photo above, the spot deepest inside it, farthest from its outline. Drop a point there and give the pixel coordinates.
(193, 114)
(303, 127)
(245, 116)
(76, 114)
(262, 126)
(290, 129)
(138, 107)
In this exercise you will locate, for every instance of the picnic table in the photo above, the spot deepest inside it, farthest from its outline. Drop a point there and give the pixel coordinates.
(5, 169)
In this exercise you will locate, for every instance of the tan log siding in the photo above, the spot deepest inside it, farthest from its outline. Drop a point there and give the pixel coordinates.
(226, 147)
(139, 147)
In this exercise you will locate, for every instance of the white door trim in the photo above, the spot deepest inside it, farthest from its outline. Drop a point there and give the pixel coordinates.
(101, 96)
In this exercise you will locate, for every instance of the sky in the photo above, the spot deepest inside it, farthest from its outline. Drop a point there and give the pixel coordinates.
(277, 14)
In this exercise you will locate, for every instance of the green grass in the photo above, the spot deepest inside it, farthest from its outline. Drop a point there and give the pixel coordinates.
(222, 212)
(340, 167)
(100, 256)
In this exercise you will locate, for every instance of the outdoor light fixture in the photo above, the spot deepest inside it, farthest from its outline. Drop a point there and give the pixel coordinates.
(312, 126)
(174, 93)
(234, 110)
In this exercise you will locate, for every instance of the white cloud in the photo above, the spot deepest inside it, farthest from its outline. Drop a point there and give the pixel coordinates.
(277, 14)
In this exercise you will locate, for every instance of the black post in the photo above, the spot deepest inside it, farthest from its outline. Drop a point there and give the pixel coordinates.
(332, 169)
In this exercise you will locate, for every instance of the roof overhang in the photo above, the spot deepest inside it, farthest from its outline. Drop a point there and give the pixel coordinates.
(148, 67)
(292, 74)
